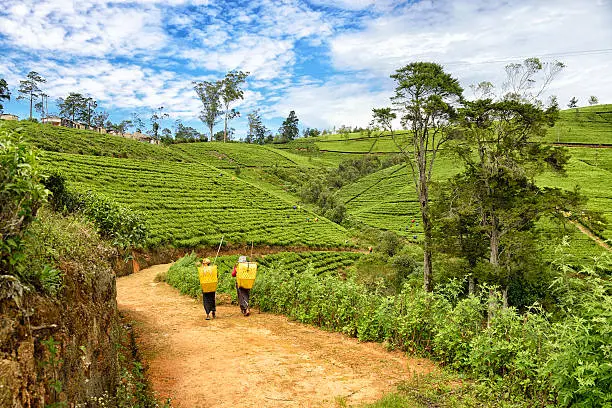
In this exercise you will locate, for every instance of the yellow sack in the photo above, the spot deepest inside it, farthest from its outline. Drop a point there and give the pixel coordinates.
(245, 274)
(208, 278)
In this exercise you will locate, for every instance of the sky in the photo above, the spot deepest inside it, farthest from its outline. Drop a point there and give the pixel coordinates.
(329, 60)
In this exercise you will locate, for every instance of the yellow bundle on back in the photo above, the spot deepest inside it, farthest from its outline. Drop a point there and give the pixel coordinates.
(245, 274)
(208, 278)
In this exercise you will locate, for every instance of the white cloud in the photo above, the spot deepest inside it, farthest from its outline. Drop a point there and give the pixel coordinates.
(140, 54)
(73, 28)
(334, 102)
(469, 34)
(355, 4)
(263, 57)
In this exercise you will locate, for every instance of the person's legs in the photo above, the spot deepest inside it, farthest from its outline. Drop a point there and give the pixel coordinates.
(209, 303)
(243, 300)
(204, 304)
(247, 294)
(239, 296)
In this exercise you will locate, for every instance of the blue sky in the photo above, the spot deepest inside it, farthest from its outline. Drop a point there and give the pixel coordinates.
(328, 60)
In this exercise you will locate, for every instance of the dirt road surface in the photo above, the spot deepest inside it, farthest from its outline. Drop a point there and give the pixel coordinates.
(264, 360)
(590, 234)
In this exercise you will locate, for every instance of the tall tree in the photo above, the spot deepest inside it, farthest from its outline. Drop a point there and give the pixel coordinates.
(289, 129)
(137, 122)
(210, 96)
(230, 93)
(99, 118)
(29, 88)
(495, 199)
(5, 93)
(88, 112)
(425, 99)
(42, 106)
(73, 107)
(257, 131)
(593, 100)
(156, 118)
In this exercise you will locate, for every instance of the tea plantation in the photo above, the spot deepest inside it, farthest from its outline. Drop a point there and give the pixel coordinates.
(190, 205)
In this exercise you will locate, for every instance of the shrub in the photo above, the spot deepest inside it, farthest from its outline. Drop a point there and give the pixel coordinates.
(21, 195)
(389, 243)
(123, 226)
(55, 243)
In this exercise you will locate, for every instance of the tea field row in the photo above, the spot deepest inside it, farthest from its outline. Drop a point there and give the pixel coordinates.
(188, 205)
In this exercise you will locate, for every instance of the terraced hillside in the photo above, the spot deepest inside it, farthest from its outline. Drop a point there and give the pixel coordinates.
(194, 193)
(588, 125)
(231, 155)
(87, 142)
(189, 205)
(387, 200)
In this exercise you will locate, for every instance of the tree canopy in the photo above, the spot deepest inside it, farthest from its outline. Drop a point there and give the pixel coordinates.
(5, 93)
(29, 88)
(289, 129)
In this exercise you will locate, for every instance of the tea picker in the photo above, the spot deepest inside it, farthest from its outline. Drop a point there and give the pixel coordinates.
(245, 273)
(208, 282)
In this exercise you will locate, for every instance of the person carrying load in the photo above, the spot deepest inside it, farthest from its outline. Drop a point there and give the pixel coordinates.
(208, 281)
(245, 273)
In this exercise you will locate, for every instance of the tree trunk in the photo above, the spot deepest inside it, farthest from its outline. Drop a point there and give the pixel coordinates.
(211, 132)
(225, 128)
(494, 244)
(31, 98)
(471, 284)
(424, 201)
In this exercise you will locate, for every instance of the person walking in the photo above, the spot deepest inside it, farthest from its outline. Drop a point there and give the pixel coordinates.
(208, 298)
(243, 293)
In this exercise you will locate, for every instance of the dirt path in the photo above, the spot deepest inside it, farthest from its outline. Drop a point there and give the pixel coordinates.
(260, 361)
(590, 234)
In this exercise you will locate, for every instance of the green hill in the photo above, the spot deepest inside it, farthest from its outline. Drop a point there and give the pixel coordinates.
(190, 204)
(589, 125)
(87, 142)
(387, 200)
(192, 194)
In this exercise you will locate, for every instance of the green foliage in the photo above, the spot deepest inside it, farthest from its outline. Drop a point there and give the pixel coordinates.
(55, 241)
(183, 274)
(564, 361)
(289, 129)
(51, 280)
(21, 195)
(388, 243)
(122, 226)
(197, 208)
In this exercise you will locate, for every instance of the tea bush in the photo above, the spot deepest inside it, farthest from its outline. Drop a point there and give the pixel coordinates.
(121, 225)
(565, 361)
